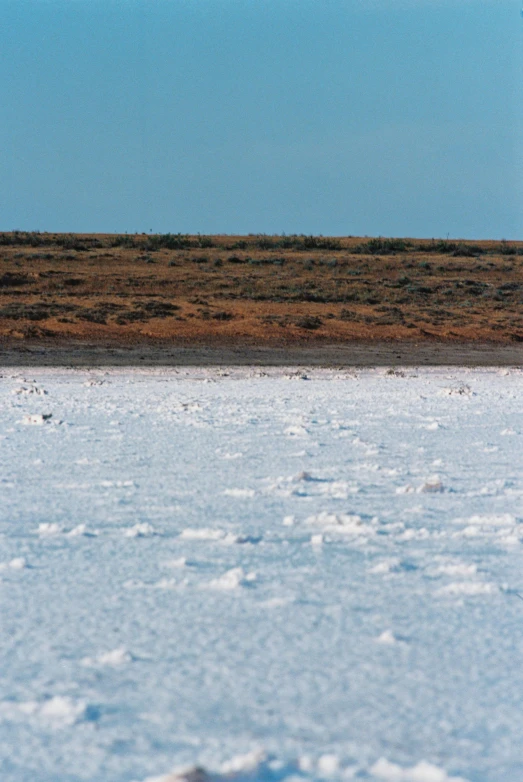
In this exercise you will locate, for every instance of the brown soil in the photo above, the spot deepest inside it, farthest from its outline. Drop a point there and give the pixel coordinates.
(256, 290)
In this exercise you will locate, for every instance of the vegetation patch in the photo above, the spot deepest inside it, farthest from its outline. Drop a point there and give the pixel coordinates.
(334, 288)
(310, 322)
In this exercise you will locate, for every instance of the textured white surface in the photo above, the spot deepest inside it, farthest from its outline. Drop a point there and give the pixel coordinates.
(272, 574)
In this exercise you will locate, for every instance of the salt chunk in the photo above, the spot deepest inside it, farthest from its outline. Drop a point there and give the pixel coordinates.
(230, 539)
(304, 476)
(81, 529)
(232, 579)
(180, 562)
(422, 772)
(493, 520)
(408, 489)
(306, 763)
(47, 528)
(387, 638)
(140, 530)
(296, 431)
(236, 768)
(62, 710)
(36, 419)
(202, 533)
(239, 493)
(458, 569)
(467, 588)
(165, 583)
(248, 762)
(328, 765)
(432, 486)
(385, 566)
(113, 658)
(343, 523)
(30, 390)
(19, 563)
(184, 774)
(327, 519)
(460, 391)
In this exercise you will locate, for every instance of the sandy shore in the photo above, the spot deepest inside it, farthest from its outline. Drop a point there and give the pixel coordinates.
(355, 354)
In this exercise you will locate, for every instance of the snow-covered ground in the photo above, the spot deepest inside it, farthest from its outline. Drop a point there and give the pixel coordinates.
(276, 574)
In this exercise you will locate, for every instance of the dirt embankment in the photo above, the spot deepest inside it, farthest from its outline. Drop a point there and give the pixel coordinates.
(256, 291)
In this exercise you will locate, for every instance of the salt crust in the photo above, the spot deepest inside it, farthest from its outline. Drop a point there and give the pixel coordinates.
(483, 529)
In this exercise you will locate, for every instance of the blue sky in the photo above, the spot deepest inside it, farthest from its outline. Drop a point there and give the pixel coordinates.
(394, 118)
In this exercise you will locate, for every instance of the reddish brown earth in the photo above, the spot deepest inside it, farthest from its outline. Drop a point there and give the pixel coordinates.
(256, 291)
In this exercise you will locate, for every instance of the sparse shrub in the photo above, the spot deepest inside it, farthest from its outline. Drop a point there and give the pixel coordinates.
(319, 243)
(222, 315)
(123, 241)
(266, 261)
(94, 316)
(382, 246)
(463, 251)
(40, 311)
(168, 241)
(309, 322)
(506, 249)
(456, 249)
(159, 309)
(205, 242)
(264, 242)
(289, 242)
(72, 242)
(351, 296)
(346, 314)
(146, 311)
(12, 279)
(279, 320)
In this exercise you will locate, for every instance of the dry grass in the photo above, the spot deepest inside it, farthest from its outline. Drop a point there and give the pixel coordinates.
(258, 289)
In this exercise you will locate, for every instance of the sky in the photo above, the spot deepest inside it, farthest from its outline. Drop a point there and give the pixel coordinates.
(333, 117)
